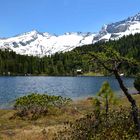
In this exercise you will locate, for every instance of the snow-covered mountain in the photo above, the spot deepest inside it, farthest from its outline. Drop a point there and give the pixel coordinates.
(119, 29)
(41, 44)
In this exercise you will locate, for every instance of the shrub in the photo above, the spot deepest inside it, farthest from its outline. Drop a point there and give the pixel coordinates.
(35, 105)
(118, 126)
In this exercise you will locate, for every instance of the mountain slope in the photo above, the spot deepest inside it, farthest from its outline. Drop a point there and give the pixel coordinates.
(119, 29)
(41, 44)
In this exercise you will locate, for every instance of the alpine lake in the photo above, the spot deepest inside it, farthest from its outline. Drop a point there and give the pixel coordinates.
(72, 87)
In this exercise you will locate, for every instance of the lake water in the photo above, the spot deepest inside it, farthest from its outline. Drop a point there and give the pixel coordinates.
(73, 87)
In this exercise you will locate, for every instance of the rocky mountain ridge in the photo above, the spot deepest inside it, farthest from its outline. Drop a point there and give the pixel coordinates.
(41, 44)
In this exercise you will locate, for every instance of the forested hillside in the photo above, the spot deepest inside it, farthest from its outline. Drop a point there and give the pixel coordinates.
(68, 63)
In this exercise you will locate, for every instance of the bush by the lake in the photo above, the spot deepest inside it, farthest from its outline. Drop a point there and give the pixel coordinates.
(118, 126)
(106, 122)
(35, 105)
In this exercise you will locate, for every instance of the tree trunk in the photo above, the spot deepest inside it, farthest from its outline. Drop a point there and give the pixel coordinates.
(107, 107)
(131, 100)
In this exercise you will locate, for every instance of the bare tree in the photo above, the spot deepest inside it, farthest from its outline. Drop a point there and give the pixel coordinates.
(112, 61)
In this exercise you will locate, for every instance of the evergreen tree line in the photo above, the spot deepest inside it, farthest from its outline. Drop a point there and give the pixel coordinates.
(69, 62)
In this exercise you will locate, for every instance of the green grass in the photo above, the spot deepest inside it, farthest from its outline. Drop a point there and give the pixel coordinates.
(93, 74)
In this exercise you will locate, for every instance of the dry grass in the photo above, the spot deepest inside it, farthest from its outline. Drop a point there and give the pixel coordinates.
(46, 127)
(34, 133)
(124, 102)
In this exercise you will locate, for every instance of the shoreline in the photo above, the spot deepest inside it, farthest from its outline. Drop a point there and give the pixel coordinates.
(119, 94)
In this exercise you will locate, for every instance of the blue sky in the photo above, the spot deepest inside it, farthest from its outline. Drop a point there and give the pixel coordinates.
(60, 16)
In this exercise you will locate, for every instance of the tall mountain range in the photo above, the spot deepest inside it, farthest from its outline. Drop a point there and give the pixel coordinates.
(41, 44)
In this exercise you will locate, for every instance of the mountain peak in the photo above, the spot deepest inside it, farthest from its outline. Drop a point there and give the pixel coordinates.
(33, 32)
(136, 17)
(41, 44)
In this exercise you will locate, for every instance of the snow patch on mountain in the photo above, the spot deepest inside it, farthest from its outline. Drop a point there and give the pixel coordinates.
(41, 44)
(119, 29)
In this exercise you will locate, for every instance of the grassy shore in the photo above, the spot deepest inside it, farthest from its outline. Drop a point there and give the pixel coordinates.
(46, 127)
(93, 74)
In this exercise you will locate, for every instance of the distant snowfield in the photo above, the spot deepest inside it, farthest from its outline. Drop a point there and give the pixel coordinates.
(41, 44)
